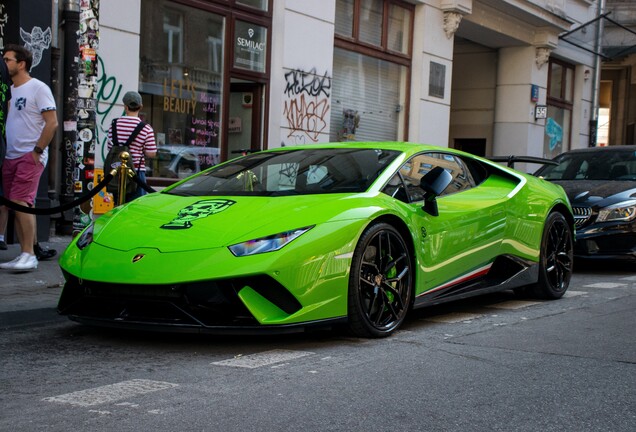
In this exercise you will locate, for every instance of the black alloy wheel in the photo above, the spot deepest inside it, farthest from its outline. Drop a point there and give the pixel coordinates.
(557, 258)
(380, 285)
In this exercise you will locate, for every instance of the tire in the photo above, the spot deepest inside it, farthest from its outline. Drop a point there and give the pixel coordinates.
(381, 282)
(557, 259)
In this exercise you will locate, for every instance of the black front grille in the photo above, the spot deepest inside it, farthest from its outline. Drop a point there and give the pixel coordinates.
(119, 291)
(205, 303)
(581, 215)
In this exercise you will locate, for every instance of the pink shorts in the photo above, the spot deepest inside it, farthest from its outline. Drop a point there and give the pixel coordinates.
(20, 178)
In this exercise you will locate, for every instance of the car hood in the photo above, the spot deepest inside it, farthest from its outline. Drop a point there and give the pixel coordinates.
(597, 192)
(172, 223)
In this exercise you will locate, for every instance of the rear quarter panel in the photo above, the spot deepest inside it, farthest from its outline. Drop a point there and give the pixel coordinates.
(528, 211)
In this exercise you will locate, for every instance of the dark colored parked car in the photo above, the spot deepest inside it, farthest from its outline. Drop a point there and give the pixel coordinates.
(601, 185)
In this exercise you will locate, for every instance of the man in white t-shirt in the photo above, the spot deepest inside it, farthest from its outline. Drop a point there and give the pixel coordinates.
(31, 125)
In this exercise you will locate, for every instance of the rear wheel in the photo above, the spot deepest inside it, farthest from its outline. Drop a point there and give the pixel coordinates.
(556, 262)
(380, 285)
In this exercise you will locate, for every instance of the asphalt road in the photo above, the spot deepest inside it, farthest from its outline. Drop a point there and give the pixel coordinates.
(493, 364)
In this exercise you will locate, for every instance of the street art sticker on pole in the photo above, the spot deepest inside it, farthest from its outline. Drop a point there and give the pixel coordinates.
(84, 173)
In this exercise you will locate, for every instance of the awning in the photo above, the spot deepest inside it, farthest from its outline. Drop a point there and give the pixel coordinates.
(616, 40)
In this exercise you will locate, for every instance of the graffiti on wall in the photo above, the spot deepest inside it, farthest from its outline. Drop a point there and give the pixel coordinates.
(108, 94)
(37, 41)
(555, 133)
(4, 19)
(306, 105)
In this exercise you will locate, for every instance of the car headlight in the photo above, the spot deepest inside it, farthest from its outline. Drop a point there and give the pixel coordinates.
(624, 211)
(267, 244)
(86, 237)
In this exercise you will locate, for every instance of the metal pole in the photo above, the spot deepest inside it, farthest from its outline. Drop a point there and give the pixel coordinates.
(124, 172)
(70, 16)
(596, 84)
(86, 108)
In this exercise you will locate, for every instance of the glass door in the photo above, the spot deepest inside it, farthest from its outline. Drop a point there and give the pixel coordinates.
(245, 119)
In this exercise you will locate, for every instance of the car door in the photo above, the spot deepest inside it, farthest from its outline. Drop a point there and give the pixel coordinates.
(464, 239)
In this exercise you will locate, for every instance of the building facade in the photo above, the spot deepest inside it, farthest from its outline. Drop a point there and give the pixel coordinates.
(222, 77)
(617, 96)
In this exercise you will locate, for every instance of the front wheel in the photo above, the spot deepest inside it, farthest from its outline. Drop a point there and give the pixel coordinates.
(556, 262)
(380, 285)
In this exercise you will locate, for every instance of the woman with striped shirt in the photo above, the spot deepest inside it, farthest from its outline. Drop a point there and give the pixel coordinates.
(144, 143)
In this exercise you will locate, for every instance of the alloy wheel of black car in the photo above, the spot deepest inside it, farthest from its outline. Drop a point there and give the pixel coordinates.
(380, 286)
(556, 265)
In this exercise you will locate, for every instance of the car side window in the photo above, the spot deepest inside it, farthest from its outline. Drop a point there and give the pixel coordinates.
(419, 165)
(395, 188)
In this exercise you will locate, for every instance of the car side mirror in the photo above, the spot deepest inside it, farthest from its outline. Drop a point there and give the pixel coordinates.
(433, 184)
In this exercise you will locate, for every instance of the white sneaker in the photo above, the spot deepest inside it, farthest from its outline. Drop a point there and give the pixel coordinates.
(13, 262)
(26, 262)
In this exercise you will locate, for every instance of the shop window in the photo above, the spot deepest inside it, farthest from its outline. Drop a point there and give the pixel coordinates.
(262, 5)
(372, 60)
(181, 81)
(560, 99)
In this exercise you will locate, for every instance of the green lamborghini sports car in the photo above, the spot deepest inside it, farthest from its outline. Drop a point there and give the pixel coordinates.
(320, 235)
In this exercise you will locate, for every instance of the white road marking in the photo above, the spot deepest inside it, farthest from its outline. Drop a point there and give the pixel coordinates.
(605, 285)
(266, 358)
(570, 293)
(629, 278)
(280, 365)
(130, 404)
(111, 393)
(455, 317)
(514, 304)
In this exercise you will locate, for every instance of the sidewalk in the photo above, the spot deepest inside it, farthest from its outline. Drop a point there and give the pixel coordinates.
(36, 289)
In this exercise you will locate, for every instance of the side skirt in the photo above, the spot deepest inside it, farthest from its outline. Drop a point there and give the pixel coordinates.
(504, 273)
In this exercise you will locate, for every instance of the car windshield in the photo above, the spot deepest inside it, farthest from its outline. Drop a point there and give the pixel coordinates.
(603, 164)
(291, 172)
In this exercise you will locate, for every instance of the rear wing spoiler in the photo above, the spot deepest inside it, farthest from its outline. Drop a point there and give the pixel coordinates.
(510, 160)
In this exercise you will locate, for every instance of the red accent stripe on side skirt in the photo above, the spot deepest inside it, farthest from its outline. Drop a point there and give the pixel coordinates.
(472, 275)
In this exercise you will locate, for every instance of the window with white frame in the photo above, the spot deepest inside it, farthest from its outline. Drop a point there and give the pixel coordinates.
(372, 61)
